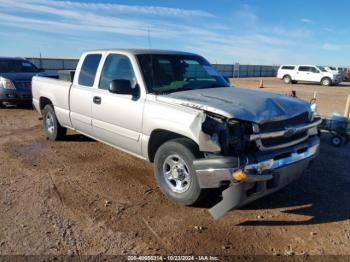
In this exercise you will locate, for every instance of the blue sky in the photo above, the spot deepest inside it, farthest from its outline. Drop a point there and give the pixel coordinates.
(224, 31)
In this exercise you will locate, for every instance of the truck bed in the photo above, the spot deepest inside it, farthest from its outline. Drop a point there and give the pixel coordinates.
(57, 91)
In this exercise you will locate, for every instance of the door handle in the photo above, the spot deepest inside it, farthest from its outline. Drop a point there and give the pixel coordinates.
(97, 100)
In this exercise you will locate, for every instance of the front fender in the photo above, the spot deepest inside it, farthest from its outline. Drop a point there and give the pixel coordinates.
(180, 120)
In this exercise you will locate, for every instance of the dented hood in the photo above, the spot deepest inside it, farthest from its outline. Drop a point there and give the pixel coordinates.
(239, 103)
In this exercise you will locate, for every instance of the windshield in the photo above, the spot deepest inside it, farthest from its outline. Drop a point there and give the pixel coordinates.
(332, 68)
(173, 73)
(322, 68)
(17, 66)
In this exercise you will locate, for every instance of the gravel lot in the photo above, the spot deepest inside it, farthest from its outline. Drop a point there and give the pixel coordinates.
(83, 197)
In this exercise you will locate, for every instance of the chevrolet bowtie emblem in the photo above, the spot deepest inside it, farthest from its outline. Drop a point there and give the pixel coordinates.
(289, 132)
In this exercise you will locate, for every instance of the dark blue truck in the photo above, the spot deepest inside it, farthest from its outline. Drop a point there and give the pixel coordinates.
(16, 80)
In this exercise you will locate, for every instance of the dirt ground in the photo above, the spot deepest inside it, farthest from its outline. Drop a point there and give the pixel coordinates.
(83, 197)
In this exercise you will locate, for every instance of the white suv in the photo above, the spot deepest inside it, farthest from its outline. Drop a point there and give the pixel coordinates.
(309, 73)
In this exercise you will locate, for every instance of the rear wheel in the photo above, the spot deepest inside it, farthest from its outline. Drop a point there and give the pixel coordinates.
(326, 81)
(53, 129)
(337, 141)
(287, 79)
(175, 173)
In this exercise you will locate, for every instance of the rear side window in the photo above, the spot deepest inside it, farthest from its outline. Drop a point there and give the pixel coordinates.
(288, 67)
(88, 70)
(304, 69)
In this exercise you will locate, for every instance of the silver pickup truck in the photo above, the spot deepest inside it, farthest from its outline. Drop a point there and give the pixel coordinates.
(174, 109)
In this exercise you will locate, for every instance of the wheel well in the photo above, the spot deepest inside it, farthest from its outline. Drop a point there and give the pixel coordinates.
(287, 75)
(159, 137)
(325, 78)
(43, 102)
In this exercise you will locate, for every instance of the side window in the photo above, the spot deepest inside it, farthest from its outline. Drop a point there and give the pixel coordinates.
(88, 70)
(304, 69)
(288, 67)
(116, 67)
(314, 70)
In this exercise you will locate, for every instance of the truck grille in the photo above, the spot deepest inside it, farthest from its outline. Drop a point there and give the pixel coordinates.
(24, 85)
(272, 143)
(280, 125)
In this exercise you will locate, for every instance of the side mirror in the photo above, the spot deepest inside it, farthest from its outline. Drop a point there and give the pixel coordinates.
(123, 87)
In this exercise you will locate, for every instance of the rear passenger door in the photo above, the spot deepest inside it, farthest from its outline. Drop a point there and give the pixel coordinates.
(81, 94)
(117, 118)
(303, 73)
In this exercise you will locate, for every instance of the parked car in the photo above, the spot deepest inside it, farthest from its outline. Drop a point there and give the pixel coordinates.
(16, 80)
(335, 70)
(291, 74)
(175, 110)
(332, 69)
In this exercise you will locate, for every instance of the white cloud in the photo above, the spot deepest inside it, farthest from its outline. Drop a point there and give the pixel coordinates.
(334, 47)
(249, 41)
(247, 15)
(307, 21)
(112, 8)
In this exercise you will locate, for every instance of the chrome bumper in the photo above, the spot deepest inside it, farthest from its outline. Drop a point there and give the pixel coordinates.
(213, 173)
(271, 172)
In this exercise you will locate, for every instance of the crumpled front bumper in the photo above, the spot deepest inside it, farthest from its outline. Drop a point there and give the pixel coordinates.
(269, 173)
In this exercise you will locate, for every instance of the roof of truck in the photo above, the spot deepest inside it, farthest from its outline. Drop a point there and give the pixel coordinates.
(136, 51)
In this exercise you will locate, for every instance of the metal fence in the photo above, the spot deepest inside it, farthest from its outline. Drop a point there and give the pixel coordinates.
(52, 65)
(229, 70)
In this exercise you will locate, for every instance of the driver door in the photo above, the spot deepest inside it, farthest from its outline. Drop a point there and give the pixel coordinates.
(117, 118)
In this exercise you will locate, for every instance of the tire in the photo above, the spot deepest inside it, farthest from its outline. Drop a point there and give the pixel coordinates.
(174, 171)
(287, 79)
(326, 81)
(53, 130)
(337, 141)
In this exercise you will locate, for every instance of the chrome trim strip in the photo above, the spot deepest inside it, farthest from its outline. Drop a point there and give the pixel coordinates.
(296, 129)
(288, 144)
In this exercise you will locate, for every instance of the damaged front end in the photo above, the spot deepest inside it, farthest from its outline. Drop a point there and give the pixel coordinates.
(255, 159)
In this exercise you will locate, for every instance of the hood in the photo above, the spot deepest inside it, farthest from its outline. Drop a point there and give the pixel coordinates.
(239, 103)
(18, 77)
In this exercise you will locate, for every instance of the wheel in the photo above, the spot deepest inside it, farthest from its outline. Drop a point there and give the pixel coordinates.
(326, 81)
(53, 129)
(287, 79)
(175, 173)
(337, 141)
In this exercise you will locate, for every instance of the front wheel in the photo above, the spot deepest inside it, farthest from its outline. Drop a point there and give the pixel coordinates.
(175, 173)
(53, 129)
